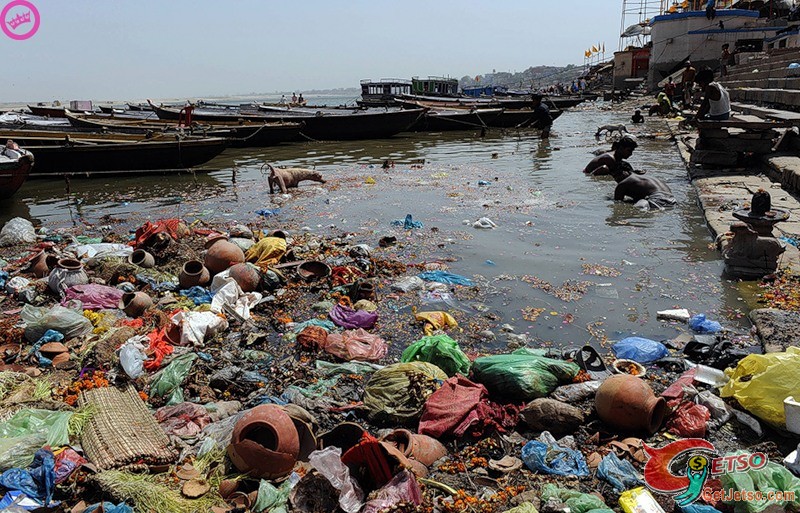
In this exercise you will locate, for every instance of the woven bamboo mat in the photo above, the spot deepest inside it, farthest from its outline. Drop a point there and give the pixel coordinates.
(122, 432)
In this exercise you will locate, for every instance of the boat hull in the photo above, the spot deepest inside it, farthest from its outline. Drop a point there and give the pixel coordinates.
(13, 175)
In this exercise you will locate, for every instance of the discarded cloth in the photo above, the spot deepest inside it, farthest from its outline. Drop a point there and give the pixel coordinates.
(266, 252)
(174, 228)
(196, 327)
(199, 295)
(386, 394)
(183, 419)
(348, 318)
(159, 346)
(462, 407)
(93, 296)
(436, 321)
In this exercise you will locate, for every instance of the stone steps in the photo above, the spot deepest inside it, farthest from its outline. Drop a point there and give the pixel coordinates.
(764, 83)
(781, 97)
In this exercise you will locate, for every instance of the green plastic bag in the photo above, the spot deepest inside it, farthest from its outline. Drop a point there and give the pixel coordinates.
(68, 322)
(761, 382)
(576, 501)
(772, 478)
(18, 451)
(523, 375)
(525, 507)
(54, 425)
(273, 499)
(167, 381)
(441, 351)
(398, 392)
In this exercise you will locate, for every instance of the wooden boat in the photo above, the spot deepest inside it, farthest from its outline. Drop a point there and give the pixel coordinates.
(322, 125)
(64, 153)
(439, 119)
(554, 102)
(15, 166)
(49, 112)
(241, 135)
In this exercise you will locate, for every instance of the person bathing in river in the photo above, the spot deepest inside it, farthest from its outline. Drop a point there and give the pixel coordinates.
(637, 117)
(613, 161)
(541, 115)
(646, 191)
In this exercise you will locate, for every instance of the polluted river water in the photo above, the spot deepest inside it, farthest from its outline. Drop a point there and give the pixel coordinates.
(565, 265)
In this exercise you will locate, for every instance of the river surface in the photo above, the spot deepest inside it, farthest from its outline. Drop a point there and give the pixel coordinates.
(556, 228)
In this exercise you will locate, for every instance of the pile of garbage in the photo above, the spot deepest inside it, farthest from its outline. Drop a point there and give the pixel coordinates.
(195, 368)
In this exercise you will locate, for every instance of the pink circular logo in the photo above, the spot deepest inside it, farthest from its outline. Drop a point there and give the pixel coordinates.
(20, 19)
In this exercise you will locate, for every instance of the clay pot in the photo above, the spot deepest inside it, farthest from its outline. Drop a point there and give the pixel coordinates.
(627, 402)
(227, 487)
(142, 258)
(192, 274)
(313, 270)
(246, 275)
(222, 254)
(135, 303)
(173, 334)
(67, 273)
(422, 448)
(39, 265)
(264, 443)
(9, 352)
(343, 436)
(56, 352)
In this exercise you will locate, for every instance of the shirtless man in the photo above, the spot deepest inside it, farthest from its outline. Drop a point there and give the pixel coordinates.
(613, 161)
(645, 191)
(687, 79)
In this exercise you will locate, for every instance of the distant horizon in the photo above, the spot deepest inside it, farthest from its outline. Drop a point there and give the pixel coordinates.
(84, 49)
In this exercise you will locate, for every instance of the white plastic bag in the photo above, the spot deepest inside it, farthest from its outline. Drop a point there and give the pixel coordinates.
(328, 462)
(17, 231)
(132, 356)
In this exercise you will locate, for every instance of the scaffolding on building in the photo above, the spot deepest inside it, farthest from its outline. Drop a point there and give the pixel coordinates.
(634, 27)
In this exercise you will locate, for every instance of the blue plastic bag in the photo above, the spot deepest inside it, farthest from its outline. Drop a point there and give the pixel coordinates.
(37, 481)
(620, 473)
(638, 349)
(700, 324)
(408, 223)
(446, 277)
(554, 459)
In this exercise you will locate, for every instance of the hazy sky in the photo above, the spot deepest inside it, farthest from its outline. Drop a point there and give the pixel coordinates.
(179, 48)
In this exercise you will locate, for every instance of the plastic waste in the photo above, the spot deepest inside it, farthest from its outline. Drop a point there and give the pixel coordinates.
(408, 223)
(101, 250)
(523, 375)
(408, 284)
(17, 231)
(386, 394)
(576, 501)
(332, 369)
(551, 458)
(132, 356)
(167, 382)
(576, 391)
(356, 345)
(760, 383)
(17, 284)
(700, 324)
(678, 314)
(67, 461)
(200, 295)
(18, 451)
(484, 223)
(716, 407)
(441, 351)
(183, 419)
(638, 349)
(710, 376)
(196, 326)
(620, 473)
(273, 499)
(436, 321)
(268, 212)
(51, 424)
(689, 420)
(639, 500)
(37, 481)
(109, 507)
(402, 488)
(770, 478)
(93, 296)
(346, 317)
(698, 508)
(67, 322)
(328, 462)
(445, 277)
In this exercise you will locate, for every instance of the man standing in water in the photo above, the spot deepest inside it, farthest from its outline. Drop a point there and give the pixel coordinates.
(645, 191)
(541, 116)
(613, 161)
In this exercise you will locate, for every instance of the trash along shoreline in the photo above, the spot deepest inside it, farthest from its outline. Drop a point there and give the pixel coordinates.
(229, 367)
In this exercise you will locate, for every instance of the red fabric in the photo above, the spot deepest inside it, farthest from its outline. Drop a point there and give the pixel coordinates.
(159, 348)
(148, 229)
(132, 323)
(688, 419)
(344, 274)
(675, 390)
(460, 406)
(370, 453)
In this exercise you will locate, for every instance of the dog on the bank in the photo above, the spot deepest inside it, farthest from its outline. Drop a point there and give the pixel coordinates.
(610, 129)
(290, 177)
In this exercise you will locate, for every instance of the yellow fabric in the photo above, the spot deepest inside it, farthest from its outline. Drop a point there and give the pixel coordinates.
(268, 251)
(436, 321)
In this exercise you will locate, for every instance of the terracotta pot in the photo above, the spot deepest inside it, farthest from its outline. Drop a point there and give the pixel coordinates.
(135, 303)
(222, 254)
(192, 274)
(343, 436)
(313, 270)
(247, 276)
(68, 273)
(9, 352)
(628, 403)
(422, 448)
(39, 265)
(264, 443)
(173, 334)
(142, 258)
(305, 433)
(227, 487)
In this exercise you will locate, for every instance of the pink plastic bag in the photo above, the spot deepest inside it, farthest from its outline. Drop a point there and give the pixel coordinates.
(689, 420)
(356, 345)
(94, 297)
